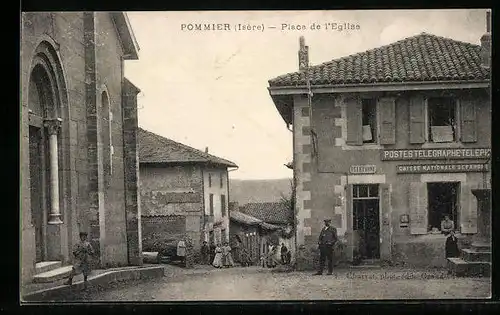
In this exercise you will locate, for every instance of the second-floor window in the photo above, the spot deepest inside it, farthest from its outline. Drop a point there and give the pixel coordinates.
(223, 205)
(221, 180)
(211, 204)
(209, 180)
(369, 120)
(442, 118)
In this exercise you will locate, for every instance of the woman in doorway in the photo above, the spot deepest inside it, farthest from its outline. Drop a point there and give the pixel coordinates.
(217, 263)
(447, 225)
(451, 246)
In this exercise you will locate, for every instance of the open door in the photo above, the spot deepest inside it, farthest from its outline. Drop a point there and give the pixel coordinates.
(385, 222)
(350, 236)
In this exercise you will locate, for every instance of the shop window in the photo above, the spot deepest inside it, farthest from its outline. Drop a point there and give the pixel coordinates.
(443, 201)
(442, 113)
(361, 195)
(365, 191)
(369, 120)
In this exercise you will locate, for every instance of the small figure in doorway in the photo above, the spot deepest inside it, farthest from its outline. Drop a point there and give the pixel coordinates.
(83, 253)
(447, 225)
(217, 262)
(205, 254)
(451, 246)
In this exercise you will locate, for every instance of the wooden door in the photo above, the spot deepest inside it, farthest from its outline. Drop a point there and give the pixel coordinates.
(37, 195)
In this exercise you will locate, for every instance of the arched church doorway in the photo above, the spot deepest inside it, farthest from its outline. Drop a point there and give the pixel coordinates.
(44, 146)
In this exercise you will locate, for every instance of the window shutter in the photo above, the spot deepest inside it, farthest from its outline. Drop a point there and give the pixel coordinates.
(417, 119)
(349, 211)
(385, 225)
(211, 204)
(468, 209)
(418, 208)
(354, 121)
(387, 116)
(468, 120)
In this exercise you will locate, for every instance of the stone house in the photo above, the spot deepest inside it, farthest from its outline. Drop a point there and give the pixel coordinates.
(386, 143)
(251, 233)
(184, 192)
(274, 214)
(78, 141)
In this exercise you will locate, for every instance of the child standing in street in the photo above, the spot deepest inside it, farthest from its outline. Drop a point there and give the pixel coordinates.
(83, 253)
(217, 263)
(227, 257)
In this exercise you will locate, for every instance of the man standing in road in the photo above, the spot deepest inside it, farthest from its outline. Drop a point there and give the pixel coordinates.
(327, 239)
(205, 254)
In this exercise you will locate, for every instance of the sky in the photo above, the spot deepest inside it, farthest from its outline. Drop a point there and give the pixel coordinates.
(209, 88)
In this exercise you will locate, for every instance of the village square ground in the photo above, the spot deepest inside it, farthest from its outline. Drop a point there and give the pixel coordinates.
(254, 283)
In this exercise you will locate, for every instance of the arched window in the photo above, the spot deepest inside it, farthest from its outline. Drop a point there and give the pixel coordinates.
(107, 137)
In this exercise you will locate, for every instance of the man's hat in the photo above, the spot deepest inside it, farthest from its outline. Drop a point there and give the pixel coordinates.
(327, 220)
(83, 233)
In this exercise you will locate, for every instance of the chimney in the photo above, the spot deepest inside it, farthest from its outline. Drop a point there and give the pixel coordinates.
(206, 149)
(303, 54)
(486, 43)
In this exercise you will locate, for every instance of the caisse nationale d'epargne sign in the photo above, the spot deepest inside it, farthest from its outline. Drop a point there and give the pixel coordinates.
(442, 168)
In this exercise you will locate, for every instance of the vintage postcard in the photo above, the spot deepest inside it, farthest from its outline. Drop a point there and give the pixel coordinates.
(255, 155)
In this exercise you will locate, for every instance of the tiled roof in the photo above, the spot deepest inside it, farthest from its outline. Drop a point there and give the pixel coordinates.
(154, 148)
(269, 226)
(420, 58)
(243, 218)
(249, 220)
(269, 212)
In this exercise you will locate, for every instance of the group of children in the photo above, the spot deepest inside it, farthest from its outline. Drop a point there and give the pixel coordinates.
(219, 257)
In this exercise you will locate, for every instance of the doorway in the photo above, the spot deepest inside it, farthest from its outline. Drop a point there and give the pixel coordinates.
(443, 201)
(38, 191)
(366, 221)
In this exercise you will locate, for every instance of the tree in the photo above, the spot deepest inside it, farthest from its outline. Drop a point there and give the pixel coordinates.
(288, 201)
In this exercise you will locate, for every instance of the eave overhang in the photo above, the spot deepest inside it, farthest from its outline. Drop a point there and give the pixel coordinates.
(282, 95)
(126, 34)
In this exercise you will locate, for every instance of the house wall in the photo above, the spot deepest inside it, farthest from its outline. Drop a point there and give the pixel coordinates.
(220, 222)
(109, 77)
(323, 182)
(78, 62)
(170, 192)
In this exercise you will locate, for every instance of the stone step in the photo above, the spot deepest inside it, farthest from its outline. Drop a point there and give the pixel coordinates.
(45, 266)
(461, 268)
(481, 246)
(365, 266)
(53, 275)
(469, 254)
